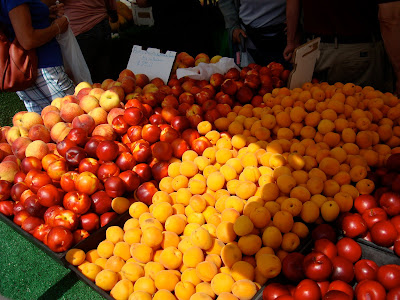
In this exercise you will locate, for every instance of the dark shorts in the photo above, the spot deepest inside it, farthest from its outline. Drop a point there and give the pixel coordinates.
(96, 48)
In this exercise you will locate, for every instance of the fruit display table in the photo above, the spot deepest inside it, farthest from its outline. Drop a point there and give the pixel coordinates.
(207, 189)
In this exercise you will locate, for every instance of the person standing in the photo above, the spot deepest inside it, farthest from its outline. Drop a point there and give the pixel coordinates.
(389, 19)
(260, 24)
(89, 21)
(351, 48)
(179, 25)
(29, 21)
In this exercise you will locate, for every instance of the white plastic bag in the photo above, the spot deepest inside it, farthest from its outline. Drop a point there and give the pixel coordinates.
(74, 62)
(203, 71)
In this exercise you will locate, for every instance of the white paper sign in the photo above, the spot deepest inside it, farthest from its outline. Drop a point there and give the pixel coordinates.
(204, 71)
(151, 62)
(305, 57)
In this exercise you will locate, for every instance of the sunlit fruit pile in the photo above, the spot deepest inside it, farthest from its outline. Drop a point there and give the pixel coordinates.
(221, 178)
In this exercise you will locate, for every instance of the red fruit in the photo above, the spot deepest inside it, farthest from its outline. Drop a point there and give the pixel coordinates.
(383, 233)
(59, 239)
(317, 266)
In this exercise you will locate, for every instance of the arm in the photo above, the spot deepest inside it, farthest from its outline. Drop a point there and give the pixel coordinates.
(31, 38)
(111, 6)
(292, 18)
(231, 17)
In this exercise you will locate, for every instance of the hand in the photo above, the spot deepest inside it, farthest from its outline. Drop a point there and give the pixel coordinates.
(237, 32)
(62, 24)
(113, 16)
(56, 11)
(288, 52)
(142, 3)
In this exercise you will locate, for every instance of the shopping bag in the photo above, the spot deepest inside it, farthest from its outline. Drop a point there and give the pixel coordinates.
(74, 62)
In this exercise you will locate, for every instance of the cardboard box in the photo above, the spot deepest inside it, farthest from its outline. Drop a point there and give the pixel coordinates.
(142, 16)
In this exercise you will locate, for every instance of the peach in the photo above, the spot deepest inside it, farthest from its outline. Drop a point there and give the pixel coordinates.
(47, 109)
(39, 132)
(16, 132)
(125, 73)
(105, 130)
(128, 84)
(82, 85)
(89, 102)
(116, 111)
(52, 147)
(8, 169)
(149, 88)
(16, 120)
(83, 92)
(106, 83)
(38, 149)
(96, 92)
(6, 148)
(56, 102)
(59, 131)
(85, 122)
(215, 59)
(69, 111)
(109, 99)
(51, 118)
(12, 158)
(114, 83)
(3, 133)
(99, 115)
(68, 99)
(118, 89)
(142, 80)
(19, 146)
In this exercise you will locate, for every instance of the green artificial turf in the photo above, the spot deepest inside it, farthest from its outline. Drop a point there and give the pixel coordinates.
(27, 272)
(10, 104)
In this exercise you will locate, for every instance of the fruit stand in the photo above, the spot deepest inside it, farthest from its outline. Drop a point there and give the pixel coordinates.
(230, 187)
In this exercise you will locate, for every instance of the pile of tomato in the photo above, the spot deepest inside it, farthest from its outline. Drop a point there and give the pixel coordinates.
(333, 268)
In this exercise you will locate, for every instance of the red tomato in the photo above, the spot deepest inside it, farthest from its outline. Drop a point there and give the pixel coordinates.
(364, 202)
(317, 266)
(389, 276)
(374, 215)
(353, 225)
(383, 233)
(339, 285)
(274, 290)
(307, 289)
(365, 269)
(396, 222)
(349, 248)
(292, 266)
(324, 231)
(325, 246)
(323, 286)
(393, 294)
(370, 290)
(336, 295)
(343, 269)
(285, 297)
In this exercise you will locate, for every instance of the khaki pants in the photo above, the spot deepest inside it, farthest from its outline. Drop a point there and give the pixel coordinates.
(389, 18)
(362, 64)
